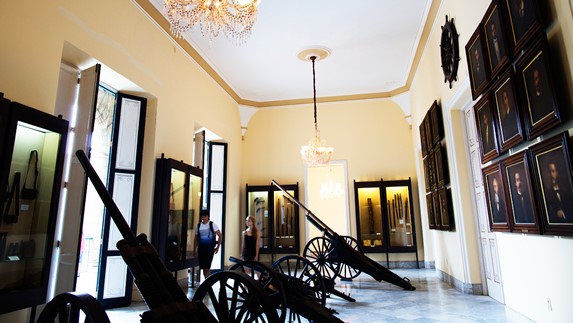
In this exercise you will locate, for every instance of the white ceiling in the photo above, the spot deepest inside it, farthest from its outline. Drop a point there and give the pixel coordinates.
(372, 42)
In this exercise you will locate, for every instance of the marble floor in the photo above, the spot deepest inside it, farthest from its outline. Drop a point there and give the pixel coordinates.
(432, 301)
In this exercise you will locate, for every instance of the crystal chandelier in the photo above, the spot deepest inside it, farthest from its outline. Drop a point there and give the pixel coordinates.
(234, 17)
(316, 152)
(331, 189)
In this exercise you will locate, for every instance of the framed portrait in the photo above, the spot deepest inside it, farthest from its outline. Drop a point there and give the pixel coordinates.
(494, 32)
(436, 207)
(423, 145)
(496, 198)
(441, 172)
(436, 120)
(432, 169)
(445, 206)
(523, 20)
(507, 111)
(429, 138)
(551, 161)
(485, 125)
(522, 208)
(430, 209)
(478, 69)
(533, 70)
(427, 174)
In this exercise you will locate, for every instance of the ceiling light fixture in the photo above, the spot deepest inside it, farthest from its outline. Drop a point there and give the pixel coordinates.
(234, 17)
(316, 152)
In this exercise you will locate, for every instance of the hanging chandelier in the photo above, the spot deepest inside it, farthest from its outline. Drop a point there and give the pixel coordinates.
(234, 17)
(316, 152)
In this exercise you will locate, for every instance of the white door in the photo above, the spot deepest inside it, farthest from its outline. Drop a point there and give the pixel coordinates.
(488, 239)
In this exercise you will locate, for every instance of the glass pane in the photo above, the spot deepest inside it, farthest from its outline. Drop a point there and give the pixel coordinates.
(284, 222)
(176, 207)
(399, 217)
(370, 217)
(259, 208)
(194, 208)
(24, 226)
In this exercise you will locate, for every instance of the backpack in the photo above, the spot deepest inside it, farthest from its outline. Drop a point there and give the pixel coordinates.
(211, 231)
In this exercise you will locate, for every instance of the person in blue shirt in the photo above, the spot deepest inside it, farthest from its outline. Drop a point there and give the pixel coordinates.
(208, 240)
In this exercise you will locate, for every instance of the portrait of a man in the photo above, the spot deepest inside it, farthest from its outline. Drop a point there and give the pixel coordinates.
(540, 100)
(522, 17)
(477, 65)
(520, 194)
(486, 129)
(507, 111)
(557, 187)
(495, 40)
(497, 205)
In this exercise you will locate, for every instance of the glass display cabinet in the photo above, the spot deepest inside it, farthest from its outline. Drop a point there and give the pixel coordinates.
(276, 218)
(176, 211)
(32, 151)
(384, 217)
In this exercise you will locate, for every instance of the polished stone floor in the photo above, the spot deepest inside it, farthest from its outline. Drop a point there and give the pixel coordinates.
(432, 301)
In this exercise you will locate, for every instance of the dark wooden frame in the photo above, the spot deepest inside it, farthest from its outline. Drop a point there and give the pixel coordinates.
(493, 25)
(423, 144)
(541, 111)
(435, 113)
(432, 169)
(478, 82)
(521, 27)
(427, 174)
(490, 173)
(436, 208)
(554, 149)
(523, 217)
(506, 84)
(484, 107)
(441, 168)
(430, 209)
(429, 139)
(445, 207)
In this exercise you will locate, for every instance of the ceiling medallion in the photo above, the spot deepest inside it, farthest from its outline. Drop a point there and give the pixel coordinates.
(450, 52)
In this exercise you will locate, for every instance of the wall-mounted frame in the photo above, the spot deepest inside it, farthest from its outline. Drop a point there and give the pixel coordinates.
(496, 198)
(435, 113)
(486, 128)
(535, 79)
(478, 69)
(432, 170)
(445, 207)
(441, 168)
(429, 139)
(495, 39)
(523, 20)
(427, 174)
(551, 161)
(430, 209)
(507, 111)
(423, 143)
(517, 178)
(436, 210)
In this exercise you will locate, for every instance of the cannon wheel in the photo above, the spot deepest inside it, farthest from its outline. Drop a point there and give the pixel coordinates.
(69, 307)
(232, 296)
(303, 274)
(322, 254)
(269, 280)
(345, 271)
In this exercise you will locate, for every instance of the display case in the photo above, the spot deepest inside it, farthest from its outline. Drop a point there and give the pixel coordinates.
(276, 218)
(176, 209)
(384, 217)
(32, 156)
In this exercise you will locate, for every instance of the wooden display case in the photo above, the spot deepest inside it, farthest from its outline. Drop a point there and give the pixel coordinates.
(32, 158)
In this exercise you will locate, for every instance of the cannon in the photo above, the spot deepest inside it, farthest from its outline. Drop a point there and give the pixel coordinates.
(341, 256)
(294, 285)
(238, 298)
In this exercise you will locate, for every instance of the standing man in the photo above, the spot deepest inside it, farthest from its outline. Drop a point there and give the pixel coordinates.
(208, 240)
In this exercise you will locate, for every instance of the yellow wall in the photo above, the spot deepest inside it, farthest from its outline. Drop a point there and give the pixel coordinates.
(373, 136)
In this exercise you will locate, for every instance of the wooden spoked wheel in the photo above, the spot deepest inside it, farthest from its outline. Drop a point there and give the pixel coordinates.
(71, 307)
(269, 280)
(233, 296)
(320, 252)
(345, 271)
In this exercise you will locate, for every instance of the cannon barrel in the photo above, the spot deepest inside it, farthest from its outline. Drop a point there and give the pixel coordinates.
(344, 253)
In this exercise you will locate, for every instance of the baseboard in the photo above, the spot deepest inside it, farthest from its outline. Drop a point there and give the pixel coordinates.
(466, 288)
